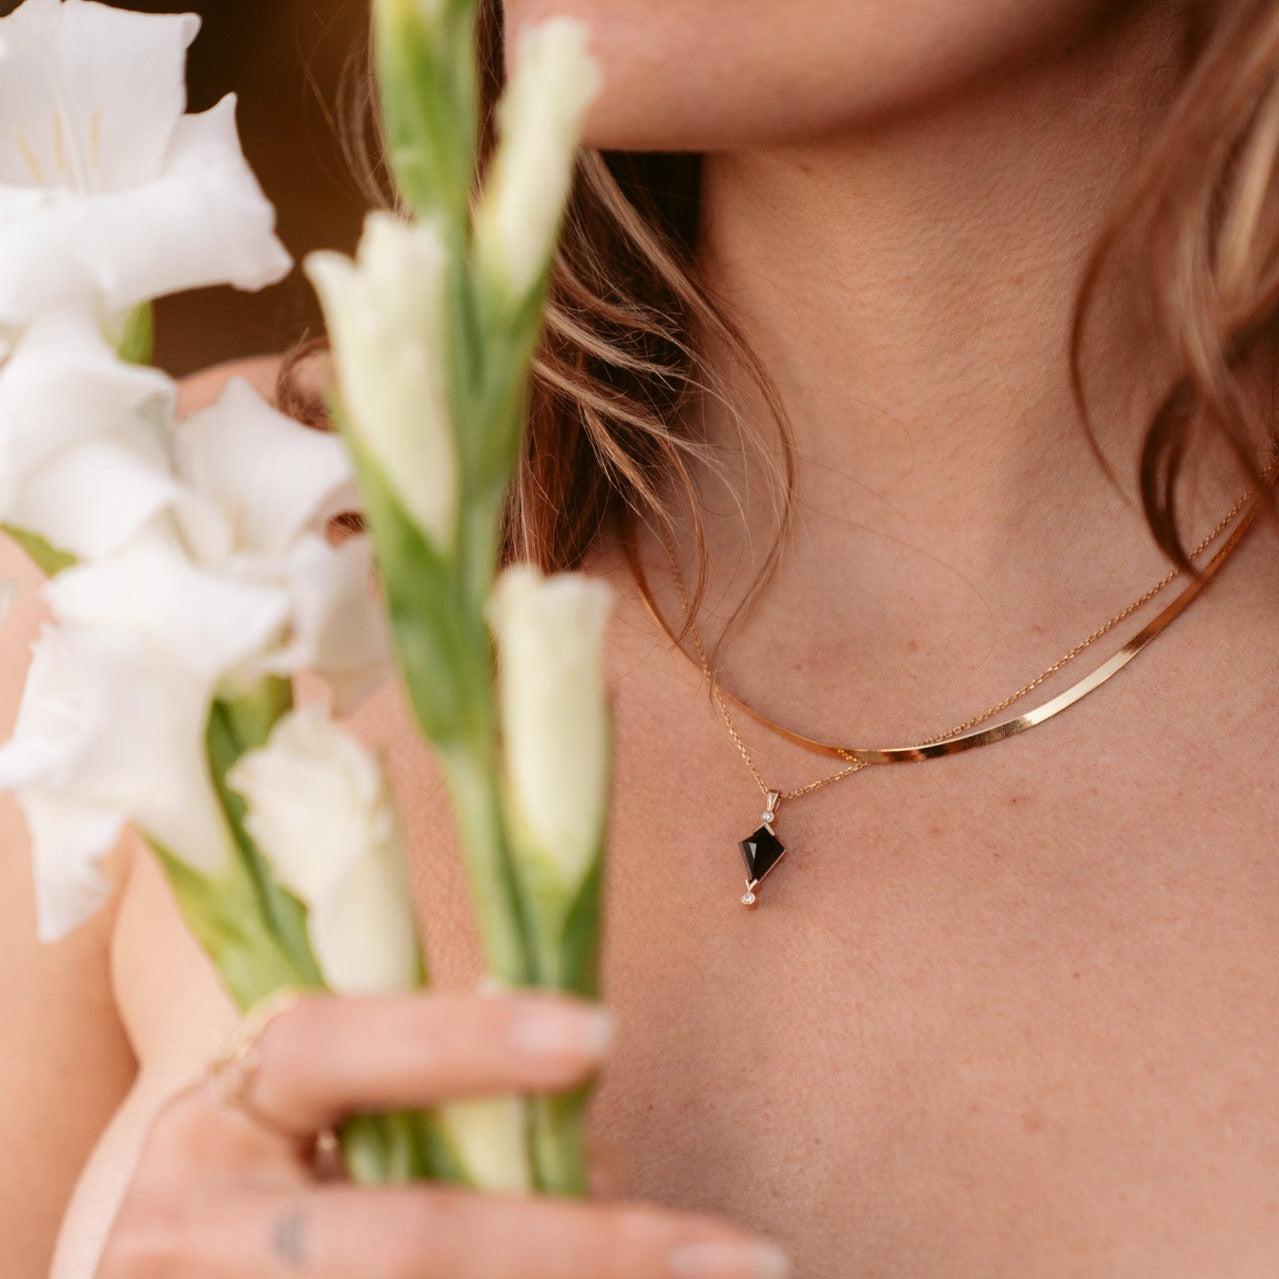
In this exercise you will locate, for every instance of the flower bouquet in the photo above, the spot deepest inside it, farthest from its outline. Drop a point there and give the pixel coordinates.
(195, 567)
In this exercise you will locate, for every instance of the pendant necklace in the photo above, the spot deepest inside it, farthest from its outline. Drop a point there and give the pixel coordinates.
(763, 851)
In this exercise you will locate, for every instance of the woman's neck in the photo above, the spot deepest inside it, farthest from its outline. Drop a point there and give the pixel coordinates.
(910, 290)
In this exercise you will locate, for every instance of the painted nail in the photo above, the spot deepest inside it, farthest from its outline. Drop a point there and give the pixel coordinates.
(563, 1031)
(729, 1261)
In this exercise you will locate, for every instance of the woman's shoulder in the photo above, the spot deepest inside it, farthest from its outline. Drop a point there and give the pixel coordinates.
(199, 390)
(68, 1062)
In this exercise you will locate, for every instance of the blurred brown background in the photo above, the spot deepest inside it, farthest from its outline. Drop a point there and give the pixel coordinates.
(287, 60)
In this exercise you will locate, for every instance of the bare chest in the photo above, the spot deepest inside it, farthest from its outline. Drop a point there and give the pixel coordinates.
(1012, 1012)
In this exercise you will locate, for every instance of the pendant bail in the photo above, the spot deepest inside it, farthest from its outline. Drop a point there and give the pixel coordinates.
(770, 811)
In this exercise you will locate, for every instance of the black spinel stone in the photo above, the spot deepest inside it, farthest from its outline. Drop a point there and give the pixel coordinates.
(762, 851)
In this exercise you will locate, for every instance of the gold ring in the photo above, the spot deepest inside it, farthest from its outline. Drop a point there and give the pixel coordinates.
(235, 1069)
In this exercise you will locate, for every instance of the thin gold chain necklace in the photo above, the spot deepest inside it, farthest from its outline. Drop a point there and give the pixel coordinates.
(763, 851)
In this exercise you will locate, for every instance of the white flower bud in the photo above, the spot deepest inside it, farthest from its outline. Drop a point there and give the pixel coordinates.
(385, 313)
(554, 84)
(320, 811)
(554, 710)
(491, 1140)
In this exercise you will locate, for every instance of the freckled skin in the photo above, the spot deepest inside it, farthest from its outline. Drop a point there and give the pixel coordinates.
(945, 996)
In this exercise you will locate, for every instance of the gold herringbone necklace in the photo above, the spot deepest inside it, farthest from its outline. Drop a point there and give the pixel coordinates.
(763, 851)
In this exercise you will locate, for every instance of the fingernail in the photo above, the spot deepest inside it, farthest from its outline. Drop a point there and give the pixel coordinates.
(558, 1032)
(729, 1261)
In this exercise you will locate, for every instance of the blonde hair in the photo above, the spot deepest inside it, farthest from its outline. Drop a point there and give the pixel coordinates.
(1202, 220)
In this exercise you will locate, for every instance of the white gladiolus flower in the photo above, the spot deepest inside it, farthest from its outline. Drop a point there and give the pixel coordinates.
(320, 811)
(550, 638)
(109, 194)
(337, 626)
(83, 454)
(211, 623)
(554, 84)
(256, 480)
(111, 729)
(259, 492)
(385, 314)
(69, 841)
(240, 583)
(88, 462)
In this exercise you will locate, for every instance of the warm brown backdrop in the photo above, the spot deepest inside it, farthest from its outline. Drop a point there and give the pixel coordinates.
(286, 59)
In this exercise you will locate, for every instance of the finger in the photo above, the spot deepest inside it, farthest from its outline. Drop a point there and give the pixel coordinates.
(327, 1058)
(450, 1234)
(605, 1167)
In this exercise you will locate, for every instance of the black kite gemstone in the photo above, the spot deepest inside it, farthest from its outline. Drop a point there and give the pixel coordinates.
(762, 851)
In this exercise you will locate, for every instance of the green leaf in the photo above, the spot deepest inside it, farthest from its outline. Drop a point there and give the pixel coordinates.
(225, 915)
(252, 715)
(136, 341)
(235, 728)
(442, 645)
(48, 559)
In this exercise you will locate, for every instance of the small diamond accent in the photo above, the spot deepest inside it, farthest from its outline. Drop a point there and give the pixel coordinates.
(749, 899)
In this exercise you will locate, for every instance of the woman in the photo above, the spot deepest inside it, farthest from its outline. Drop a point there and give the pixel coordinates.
(1011, 1012)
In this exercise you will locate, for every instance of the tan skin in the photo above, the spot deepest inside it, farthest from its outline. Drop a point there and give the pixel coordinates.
(1014, 1012)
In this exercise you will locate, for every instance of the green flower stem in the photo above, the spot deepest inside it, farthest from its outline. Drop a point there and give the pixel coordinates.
(558, 1140)
(567, 942)
(444, 654)
(426, 75)
(496, 347)
(473, 785)
(480, 544)
(253, 931)
(237, 726)
(225, 915)
(395, 1148)
(437, 595)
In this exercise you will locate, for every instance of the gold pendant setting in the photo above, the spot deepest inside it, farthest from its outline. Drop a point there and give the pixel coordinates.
(762, 851)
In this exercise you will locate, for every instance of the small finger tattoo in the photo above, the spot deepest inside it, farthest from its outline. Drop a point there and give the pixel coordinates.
(290, 1239)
